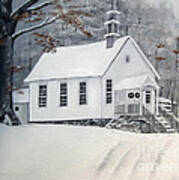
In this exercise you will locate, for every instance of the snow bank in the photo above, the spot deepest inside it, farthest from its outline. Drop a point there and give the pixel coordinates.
(80, 153)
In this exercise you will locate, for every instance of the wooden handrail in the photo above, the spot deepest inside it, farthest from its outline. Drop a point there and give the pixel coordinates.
(156, 126)
(171, 118)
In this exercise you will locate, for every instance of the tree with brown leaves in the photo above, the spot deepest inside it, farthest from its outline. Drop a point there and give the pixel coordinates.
(30, 11)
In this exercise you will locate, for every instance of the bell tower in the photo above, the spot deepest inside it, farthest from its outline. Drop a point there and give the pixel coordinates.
(112, 25)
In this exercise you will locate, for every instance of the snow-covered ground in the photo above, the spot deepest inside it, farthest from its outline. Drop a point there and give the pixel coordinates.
(49, 152)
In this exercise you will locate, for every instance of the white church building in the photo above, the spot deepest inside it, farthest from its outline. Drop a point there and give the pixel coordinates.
(102, 80)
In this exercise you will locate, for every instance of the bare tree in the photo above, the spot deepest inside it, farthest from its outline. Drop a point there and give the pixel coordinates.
(9, 20)
(174, 87)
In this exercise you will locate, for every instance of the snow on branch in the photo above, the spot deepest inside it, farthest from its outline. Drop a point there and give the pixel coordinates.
(23, 7)
(38, 26)
(40, 6)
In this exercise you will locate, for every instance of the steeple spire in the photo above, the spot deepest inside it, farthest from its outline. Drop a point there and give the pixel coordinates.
(112, 25)
(113, 4)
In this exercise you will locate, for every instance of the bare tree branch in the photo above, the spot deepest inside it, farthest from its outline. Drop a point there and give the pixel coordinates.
(23, 8)
(38, 26)
(40, 6)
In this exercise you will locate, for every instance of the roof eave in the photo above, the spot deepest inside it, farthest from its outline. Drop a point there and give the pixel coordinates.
(124, 43)
(62, 78)
(145, 58)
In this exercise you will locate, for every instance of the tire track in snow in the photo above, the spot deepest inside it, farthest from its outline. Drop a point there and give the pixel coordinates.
(105, 167)
(158, 160)
(122, 160)
(126, 168)
(107, 157)
(135, 172)
(126, 163)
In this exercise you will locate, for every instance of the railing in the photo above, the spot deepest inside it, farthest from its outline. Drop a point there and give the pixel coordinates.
(120, 109)
(127, 109)
(155, 125)
(170, 117)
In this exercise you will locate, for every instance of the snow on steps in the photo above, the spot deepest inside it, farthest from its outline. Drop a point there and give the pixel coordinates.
(136, 124)
(141, 124)
(167, 125)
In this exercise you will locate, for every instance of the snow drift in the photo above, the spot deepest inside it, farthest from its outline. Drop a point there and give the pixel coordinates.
(81, 153)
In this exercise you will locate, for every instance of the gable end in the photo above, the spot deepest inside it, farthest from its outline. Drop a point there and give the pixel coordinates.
(140, 53)
(115, 57)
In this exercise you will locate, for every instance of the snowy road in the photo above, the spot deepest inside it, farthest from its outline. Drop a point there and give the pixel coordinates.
(140, 161)
(84, 153)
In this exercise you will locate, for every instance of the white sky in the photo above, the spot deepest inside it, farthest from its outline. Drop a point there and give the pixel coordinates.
(175, 4)
(176, 7)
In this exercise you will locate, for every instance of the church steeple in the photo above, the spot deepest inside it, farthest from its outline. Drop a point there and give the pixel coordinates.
(112, 25)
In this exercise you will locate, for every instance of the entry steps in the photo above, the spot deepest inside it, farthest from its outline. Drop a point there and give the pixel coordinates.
(166, 124)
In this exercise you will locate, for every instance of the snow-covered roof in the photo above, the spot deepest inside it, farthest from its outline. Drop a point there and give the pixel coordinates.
(134, 82)
(111, 21)
(21, 95)
(89, 60)
(113, 12)
(75, 61)
(165, 100)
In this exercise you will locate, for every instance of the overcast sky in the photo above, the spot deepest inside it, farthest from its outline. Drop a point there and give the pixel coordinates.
(176, 7)
(175, 4)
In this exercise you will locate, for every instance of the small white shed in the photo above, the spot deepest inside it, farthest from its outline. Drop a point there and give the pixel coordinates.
(21, 104)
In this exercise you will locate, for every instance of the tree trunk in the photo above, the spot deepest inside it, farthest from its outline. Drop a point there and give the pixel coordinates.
(6, 81)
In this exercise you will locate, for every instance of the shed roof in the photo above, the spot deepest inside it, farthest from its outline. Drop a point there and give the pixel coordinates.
(89, 60)
(165, 100)
(21, 95)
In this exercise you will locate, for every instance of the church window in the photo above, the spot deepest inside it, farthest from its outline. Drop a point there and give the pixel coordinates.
(83, 95)
(42, 95)
(63, 94)
(148, 97)
(108, 91)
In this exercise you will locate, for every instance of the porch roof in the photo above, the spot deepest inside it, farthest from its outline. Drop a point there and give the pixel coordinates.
(136, 82)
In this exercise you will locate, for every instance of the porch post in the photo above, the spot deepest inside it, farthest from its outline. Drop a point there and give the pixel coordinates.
(157, 101)
(141, 102)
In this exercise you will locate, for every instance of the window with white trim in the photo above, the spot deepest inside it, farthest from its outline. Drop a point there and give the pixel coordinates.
(108, 91)
(42, 95)
(82, 93)
(63, 94)
(148, 97)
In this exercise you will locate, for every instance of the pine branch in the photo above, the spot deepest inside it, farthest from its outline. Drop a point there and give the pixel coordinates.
(35, 27)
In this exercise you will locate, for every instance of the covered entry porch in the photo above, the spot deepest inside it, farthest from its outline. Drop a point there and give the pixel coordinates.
(135, 95)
